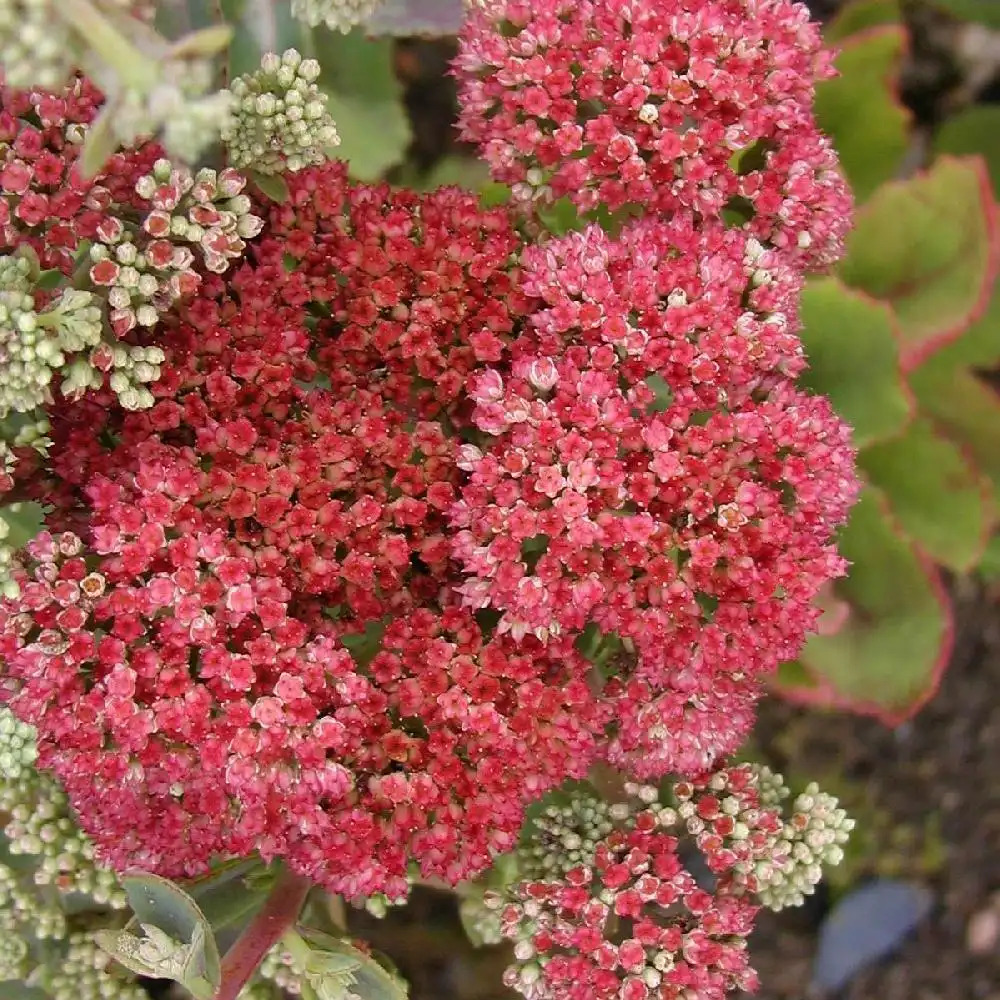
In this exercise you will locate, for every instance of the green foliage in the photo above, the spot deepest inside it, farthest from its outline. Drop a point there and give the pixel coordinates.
(854, 359)
(886, 658)
(986, 12)
(925, 247)
(335, 969)
(899, 340)
(940, 498)
(973, 131)
(365, 100)
(861, 14)
(174, 940)
(860, 111)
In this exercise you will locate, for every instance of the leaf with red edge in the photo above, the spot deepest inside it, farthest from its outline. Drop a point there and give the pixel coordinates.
(940, 499)
(854, 359)
(887, 659)
(861, 111)
(966, 406)
(859, 15)
(928, 246)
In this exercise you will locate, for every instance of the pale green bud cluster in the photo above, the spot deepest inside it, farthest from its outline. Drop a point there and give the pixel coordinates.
(132, 369)
(34, 345)
(279, 116)
(88, 973)
(8, 585)
(338, 15)
(17, 748)
(180, 109)
(813, 836)
(13, 957)
(565, 837)
(37, 49)
(40, 825)
(24, 912)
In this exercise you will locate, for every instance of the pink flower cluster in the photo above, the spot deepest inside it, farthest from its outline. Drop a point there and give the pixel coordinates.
(697, 105)
(329, 598)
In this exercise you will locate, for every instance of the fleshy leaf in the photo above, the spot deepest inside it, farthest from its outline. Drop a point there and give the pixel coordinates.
(365, 100)
(368, 978)
(274, 186)
(860, 109)
(966, 408)
(866, 925)
(24, 520)
(854, 359)
(938, 497)
(986, 12)
(160, 903)
(887, 658)
(430, 18)
(859, 15)
(928, 247)
(973, 131)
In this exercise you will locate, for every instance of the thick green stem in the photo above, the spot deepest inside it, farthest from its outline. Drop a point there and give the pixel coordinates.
(279, 912)
(132, 67)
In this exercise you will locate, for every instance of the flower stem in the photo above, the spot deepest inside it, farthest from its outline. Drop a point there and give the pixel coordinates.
(133, 68)
(279, 912)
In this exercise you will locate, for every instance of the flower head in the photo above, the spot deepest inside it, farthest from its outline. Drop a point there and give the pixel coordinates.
(702, 105)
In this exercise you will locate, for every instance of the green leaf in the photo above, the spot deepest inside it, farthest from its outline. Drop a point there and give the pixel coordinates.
(163, 904)
(406, 18)
(861, 111)
(965, 407)
(979, 345)
(365, 100)
(367, 977)
(260, 26)
(887, 658)
(202, 43)
(100, 143)
(231, 892)
(989, 566)
(859, 15)
(927, 247)
(939, 498)
(985, 12)
(175, 18)
(273, 186)
(973, 131)
(458, 171)
(854, 359)
(50, 280)
(25, 520)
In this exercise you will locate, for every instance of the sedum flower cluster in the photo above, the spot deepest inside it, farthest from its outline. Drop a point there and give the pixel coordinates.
(621, 915)
(425, 518)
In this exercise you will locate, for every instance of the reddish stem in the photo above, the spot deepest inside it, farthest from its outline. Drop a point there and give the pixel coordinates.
(278, 913)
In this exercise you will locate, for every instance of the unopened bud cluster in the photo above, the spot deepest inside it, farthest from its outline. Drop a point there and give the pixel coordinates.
(87, 973)
(147, 267)
(180, 109)
(338, 15)
(565, 836)
(812, 838)
(279, 116)
(34, 343)
(39, 824)
(37, 48)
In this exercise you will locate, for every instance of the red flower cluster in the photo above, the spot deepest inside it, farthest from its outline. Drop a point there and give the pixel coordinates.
(327, 598)
(281, 496)
(702, 105)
